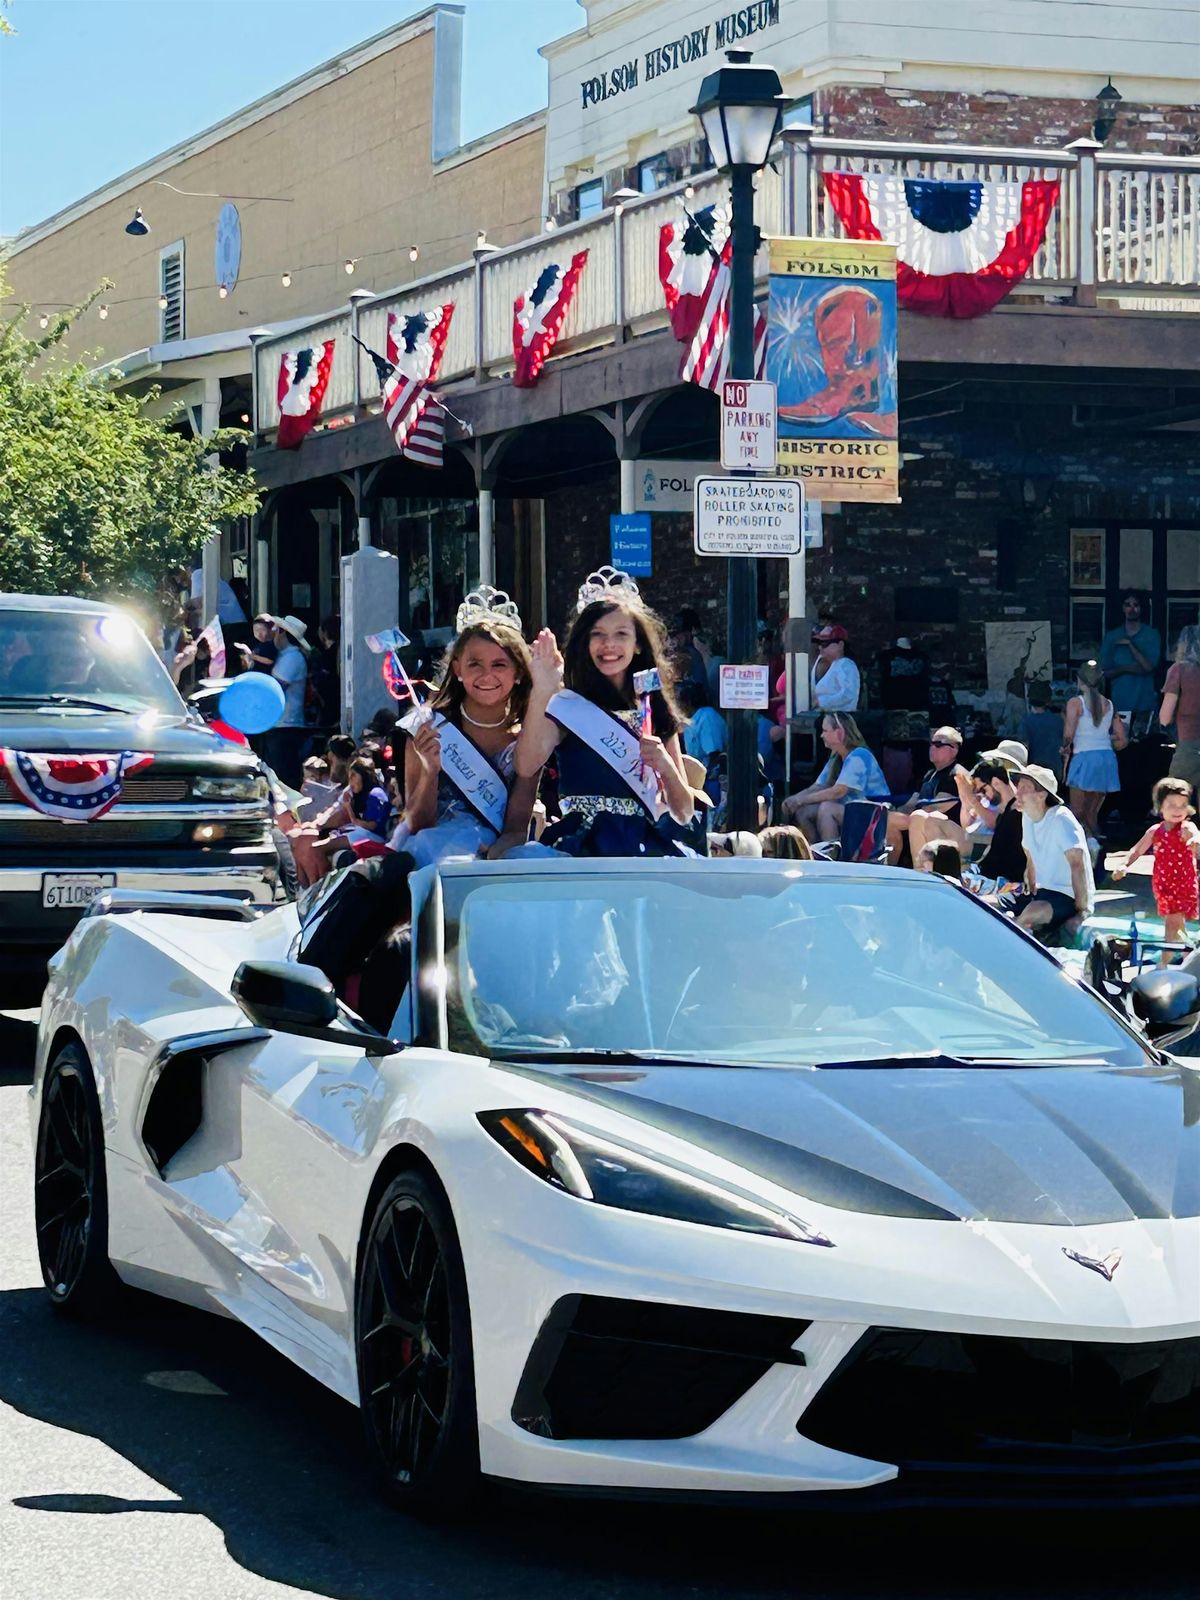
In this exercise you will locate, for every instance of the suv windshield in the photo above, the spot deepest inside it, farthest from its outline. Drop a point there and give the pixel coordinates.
(740, 968)
(101, 657)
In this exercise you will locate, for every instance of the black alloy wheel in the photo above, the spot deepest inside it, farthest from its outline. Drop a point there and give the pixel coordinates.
(70, 1196)
(415, 1363)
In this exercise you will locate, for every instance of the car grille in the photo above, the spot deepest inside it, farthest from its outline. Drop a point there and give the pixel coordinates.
(94, 837)
(1037, 1410)
(137, 790)
(628, 1369)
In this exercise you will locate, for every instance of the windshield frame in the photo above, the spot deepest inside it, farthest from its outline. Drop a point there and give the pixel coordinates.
(737, 878)
(40, 624)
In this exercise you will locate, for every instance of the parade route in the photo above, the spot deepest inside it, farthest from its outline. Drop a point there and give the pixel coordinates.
(172, 1456)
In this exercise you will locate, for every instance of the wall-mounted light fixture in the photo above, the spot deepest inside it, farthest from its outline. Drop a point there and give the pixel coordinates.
(1107, 102)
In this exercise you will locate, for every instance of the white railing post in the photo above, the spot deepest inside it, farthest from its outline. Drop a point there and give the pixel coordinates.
(480, 254)
(797, 182)
(1087, 234)
(618, 227)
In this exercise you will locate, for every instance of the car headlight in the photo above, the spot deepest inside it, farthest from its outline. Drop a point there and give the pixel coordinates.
(594, 1166)
(234, 786)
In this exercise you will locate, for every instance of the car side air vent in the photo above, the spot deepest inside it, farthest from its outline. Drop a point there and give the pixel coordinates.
(174, 1108)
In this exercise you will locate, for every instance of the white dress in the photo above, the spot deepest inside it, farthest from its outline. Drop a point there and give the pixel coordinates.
(458, 833)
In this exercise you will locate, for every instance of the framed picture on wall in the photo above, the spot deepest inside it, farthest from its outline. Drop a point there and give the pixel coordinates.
(1087, 558)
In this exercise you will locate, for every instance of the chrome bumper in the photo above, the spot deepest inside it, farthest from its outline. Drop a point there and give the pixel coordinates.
(254, 881)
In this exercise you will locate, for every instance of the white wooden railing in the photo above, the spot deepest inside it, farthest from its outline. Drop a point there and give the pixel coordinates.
(1126, 227)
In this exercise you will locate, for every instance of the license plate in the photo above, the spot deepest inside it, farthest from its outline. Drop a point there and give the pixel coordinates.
(74, 891)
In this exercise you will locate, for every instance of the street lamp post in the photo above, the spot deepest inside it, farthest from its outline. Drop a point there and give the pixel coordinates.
(740, 108)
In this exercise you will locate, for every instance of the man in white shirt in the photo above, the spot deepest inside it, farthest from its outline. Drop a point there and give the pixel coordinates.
(1058, 875)
(835, 681)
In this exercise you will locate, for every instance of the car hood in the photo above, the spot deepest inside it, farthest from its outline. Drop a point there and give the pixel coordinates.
(1063, 1145)
(173, 738)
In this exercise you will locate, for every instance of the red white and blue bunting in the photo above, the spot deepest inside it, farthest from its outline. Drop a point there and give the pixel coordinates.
(538, 317)
(70, 788)
(961, 245)
(303, 379)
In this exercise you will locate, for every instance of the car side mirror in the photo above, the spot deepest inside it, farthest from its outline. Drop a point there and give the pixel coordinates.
(1167, 1003)
(284, 995)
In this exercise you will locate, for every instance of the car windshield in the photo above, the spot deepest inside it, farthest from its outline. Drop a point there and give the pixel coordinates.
(746, 968)
(75, 657)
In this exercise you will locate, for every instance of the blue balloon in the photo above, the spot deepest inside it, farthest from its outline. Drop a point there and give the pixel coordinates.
(252, 703)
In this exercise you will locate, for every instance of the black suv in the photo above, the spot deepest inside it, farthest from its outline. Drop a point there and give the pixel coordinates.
(80, 678)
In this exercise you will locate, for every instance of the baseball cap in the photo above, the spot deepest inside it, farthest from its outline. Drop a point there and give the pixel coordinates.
(831, 633)
(945, 736)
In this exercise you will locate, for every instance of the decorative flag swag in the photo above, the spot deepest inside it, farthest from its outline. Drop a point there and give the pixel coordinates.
(70, 788)
(415, 416)
(538, 317)
(961, 245)
(695, 268)
(303, 379)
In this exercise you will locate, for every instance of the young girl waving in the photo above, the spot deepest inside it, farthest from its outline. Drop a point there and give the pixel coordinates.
(1175, 841)
(461, 792)
(615, 780)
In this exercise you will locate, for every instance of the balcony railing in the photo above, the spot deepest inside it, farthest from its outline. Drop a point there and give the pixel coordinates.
(1126, 229)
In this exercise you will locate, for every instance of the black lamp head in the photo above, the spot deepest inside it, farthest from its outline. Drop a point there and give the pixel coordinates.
(138, 225)
(740, 107)
(1107, 101)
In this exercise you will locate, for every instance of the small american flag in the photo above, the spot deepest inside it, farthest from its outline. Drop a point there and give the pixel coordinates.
(706, 358)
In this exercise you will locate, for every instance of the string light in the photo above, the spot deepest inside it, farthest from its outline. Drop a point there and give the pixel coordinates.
(688, 191)
(413, 252)
(286, 280)
(223, 292)
(163, 302)
(551, 224)
(245, 417)
(103, 313)
(349, 265)
(44, 320)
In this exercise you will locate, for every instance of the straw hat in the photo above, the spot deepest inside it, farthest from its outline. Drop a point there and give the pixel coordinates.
(694, 772)
(295, 627)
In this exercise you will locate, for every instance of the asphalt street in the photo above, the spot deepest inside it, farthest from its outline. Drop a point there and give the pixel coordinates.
(171, 1456)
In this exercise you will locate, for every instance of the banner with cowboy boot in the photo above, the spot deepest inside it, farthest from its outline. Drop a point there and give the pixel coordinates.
(831, 353)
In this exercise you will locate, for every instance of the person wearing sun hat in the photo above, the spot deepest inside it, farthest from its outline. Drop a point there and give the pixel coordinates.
(1059, 883)
(284, 741)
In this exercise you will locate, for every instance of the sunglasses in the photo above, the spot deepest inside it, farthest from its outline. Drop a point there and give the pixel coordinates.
(942, 744)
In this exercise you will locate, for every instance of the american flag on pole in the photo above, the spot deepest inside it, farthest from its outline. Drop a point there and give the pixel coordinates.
(71, 788)
(695, 269)
(415, 416)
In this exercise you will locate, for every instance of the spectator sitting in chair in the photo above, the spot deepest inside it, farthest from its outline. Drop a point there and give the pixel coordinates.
(1058, 875)
(851, 773)
(933, 812)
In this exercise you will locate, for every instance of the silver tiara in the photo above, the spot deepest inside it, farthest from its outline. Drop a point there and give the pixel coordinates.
(486, 604)
(607, 583)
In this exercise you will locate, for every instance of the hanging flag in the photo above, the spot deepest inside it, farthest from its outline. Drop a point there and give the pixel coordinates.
(706, 359)
(687, 256)
(538, 316)
(214, 637)
(70, 788)
(303, 378)
(414, 414)
(961, 245)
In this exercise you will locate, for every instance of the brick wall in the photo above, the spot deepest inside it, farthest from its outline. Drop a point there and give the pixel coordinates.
(997, 118)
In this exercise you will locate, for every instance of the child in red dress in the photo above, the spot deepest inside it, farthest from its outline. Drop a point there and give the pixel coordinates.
(1175, 842)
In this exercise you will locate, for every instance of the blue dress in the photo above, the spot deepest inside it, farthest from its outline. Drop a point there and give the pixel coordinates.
(600, 817)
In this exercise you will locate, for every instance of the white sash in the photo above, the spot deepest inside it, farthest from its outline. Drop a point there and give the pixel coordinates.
(612, 741)
(471, 773)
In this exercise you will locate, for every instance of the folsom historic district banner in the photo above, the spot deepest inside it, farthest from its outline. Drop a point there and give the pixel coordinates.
(831, 353)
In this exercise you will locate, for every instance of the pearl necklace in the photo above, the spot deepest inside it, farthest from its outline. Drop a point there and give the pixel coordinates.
(475, 722)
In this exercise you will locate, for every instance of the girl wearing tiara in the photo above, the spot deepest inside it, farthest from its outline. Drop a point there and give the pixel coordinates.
(462, 796)
(619, 761)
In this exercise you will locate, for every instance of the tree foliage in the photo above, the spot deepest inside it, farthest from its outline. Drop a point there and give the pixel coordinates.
(97, 497)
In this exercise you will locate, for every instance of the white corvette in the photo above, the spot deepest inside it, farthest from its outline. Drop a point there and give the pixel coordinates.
(749, 1177)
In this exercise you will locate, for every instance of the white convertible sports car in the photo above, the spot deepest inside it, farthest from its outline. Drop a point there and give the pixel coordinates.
(749, 1177)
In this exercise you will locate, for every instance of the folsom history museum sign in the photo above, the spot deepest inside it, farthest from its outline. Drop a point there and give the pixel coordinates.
(668, 55)
(831, 352)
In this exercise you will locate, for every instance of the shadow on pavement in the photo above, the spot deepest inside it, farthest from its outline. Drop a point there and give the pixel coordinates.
(18, 1038)
(274, 1461)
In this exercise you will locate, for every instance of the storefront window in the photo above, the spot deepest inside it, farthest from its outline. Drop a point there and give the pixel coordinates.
(656, 174)
(589, 199)
(437, 544)
(1087, 558)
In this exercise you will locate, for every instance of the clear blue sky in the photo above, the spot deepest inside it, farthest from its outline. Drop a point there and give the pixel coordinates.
(90, 88)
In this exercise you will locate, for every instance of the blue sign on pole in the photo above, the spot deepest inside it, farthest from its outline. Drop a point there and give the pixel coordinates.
(630, 535)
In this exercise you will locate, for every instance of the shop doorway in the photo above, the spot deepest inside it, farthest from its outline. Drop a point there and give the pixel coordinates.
(1158, 559)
